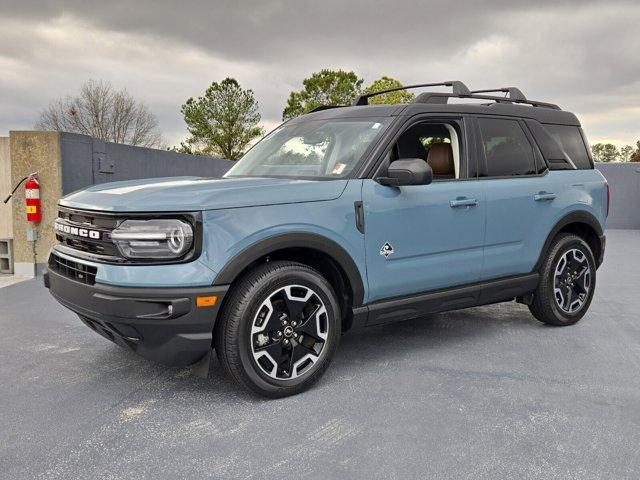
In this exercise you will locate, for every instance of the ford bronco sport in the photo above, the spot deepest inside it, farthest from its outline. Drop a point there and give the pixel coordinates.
(339, 219)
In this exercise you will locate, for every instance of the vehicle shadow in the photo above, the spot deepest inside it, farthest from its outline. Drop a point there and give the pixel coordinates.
(365, 348)
(436, 331)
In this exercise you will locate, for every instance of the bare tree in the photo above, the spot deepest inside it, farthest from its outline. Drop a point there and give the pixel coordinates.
(105, 113)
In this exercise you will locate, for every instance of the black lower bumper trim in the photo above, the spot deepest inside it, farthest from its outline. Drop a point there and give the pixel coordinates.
(162, 324)
(412, 306)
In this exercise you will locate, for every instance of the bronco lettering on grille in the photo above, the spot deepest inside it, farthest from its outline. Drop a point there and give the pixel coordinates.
(77, 231)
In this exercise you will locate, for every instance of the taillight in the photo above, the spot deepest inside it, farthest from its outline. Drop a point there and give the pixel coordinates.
(606, 186)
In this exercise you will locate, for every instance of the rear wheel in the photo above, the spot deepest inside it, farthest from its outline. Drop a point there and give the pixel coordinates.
(279, 330)
(567, 282)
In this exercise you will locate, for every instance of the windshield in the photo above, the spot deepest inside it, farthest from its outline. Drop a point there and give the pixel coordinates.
(315, 148)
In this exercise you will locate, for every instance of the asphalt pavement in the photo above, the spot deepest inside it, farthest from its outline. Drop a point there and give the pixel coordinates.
(483, 393)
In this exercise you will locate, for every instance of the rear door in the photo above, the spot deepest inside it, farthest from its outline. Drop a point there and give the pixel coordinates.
(518, 195)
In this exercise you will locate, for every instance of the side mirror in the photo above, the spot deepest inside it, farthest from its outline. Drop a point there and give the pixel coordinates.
(407, 171)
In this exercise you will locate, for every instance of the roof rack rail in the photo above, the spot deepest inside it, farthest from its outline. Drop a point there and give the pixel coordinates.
(512, 92)
(325, 107)
(459, 89)
(442, 98)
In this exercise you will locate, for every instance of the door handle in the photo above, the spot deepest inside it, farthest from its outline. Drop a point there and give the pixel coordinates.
(463, 202)
(544, 196)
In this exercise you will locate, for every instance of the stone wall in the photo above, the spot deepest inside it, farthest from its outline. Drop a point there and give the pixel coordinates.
(6, 217)
(34, 152)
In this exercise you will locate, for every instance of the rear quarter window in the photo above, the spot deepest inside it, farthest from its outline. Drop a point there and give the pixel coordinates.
(571, 140)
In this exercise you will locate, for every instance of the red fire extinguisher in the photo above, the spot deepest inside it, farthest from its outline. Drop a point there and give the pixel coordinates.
(32, 197)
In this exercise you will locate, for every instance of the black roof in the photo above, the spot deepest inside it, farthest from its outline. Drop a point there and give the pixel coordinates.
(513, 104)
(543, 115)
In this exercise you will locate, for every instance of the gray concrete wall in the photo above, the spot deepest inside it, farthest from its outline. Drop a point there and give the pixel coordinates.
(87, 161)
(624, 181)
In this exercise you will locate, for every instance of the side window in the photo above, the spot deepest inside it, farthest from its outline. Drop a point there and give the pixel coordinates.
(570, 139)
(438, 144)
(506, 148)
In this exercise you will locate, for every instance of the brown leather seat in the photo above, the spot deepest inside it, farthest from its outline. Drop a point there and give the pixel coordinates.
(440, 159)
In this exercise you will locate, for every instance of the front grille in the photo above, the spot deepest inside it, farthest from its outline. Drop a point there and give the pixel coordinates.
(89, 246)
(74, 270)
(78, 224)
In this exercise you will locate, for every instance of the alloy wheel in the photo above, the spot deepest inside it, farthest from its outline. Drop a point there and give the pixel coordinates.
(572, 281)
(289, 332)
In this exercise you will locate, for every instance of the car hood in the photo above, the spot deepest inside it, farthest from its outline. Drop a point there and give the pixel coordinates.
(197, 193)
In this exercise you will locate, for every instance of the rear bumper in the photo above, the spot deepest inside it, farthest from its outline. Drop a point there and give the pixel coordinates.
(161, 324)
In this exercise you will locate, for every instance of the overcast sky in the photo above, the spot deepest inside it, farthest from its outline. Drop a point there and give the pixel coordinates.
(583, 55)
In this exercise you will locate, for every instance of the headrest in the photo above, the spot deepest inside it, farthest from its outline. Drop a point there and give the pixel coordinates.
(440, 159)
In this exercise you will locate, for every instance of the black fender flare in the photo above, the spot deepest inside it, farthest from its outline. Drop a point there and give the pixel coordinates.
(309, 241)
(573, 217)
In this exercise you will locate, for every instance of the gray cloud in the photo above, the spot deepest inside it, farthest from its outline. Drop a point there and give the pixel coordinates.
(580, 54)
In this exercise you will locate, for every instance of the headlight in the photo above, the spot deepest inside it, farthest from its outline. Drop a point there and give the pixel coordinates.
(156, 238)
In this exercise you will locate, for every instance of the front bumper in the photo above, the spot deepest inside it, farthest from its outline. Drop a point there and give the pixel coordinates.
(161, 324)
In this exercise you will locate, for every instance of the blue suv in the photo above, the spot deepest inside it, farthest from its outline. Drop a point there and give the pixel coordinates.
(343, 218)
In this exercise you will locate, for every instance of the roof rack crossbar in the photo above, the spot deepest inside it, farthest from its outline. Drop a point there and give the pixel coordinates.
(459, 89)
(512, 92)
(442, 98)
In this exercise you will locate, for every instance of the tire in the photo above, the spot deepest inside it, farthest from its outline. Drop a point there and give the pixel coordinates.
(279, 330)
(567, 282)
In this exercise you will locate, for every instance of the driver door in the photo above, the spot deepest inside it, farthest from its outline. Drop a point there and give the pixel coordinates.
(422, 238)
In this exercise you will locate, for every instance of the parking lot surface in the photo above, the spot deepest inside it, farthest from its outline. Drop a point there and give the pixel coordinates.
(483, 393)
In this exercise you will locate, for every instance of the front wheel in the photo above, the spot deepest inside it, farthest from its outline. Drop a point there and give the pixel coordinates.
(567, 282)
(279, 330)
